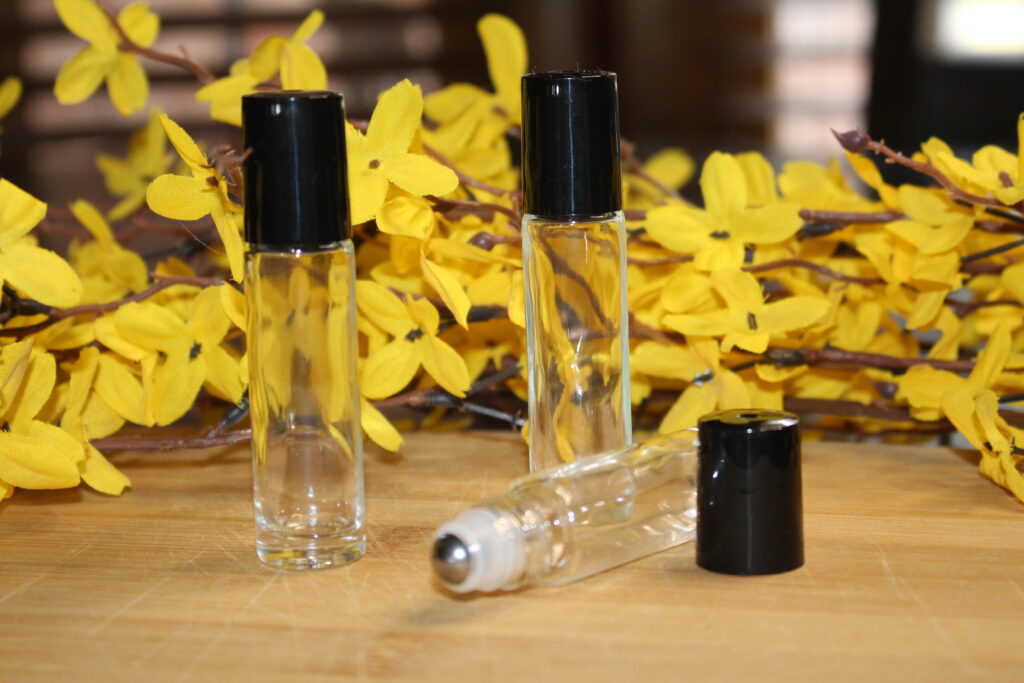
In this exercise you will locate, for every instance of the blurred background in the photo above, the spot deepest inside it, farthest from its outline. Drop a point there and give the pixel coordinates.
(731, 74)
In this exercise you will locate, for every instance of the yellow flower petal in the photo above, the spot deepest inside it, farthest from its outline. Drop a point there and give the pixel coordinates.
(310, 25)
(186, 147)
(445, 283)
(78, 79)
(149, 326)
(36, 387)
(233, 303)
(958, 407)
(389, 369)
(991, 361)
(222, 374)
(29, 463)
(445, 365)
(378, 428)
(127, 84)
(407, 216)
(182, 197)
(792, 313)
(396, 118)
(87, 21)
(672, 167)
(419, 175)
(517, 299)
(93, 220)
(723, 185)
(121, 390)
(505, 47)
(666, 360)
(14, 362)
(234, 248)
(40, 274)
(10, 93)
(54, 436)
(301, 68)
(19, 212)
(383, 308)
(695, 402)
(176, 383)
(141, 25)
(760, 177)
(98, 473)
(740, 289)
(677, 228)
(768, 224)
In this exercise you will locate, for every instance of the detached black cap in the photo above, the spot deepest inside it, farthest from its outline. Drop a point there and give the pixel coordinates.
(296, 187)
(749, 505)
(570, 136)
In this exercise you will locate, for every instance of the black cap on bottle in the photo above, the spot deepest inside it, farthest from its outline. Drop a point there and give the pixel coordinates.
(570, 136)
(749, 505)
(296, 187)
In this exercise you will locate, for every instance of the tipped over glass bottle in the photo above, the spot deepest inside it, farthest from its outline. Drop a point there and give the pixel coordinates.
(574, 262)
(301, 333)
(572, 521)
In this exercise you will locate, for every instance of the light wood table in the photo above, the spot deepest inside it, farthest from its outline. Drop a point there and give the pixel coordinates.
(915, 571)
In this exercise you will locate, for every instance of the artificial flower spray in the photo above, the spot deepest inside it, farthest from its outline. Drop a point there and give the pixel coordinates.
(574, 258)
(300, 297)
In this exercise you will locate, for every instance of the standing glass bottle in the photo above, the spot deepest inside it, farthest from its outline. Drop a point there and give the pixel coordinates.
(302, 346)
(574, 258)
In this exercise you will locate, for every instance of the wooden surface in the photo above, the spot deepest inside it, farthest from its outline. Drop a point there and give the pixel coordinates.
(915, 571)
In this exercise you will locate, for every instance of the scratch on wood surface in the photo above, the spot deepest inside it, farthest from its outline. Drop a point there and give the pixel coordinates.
(952, 647)
(131, 603)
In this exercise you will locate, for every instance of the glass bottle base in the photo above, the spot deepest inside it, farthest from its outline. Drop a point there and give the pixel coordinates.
(298, 559)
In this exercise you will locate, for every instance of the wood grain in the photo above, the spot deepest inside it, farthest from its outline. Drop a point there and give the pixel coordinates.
(915, 571)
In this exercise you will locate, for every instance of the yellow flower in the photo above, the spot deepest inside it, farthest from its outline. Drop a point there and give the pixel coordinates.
(127, 178)
(718, 233)
(382, 156)
(103, 59)
(711, 387)
(37, 273)
(204, 193)
(109, 270)
(179, 357)
(300, 68)
(993, 171)
(507, 61)
(413, 324)
(87, 416)
(10, 93)
(747, 321)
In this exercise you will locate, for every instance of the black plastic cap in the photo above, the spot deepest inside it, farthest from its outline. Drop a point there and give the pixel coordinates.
(296, 187)
(571, 156)
(749, 503)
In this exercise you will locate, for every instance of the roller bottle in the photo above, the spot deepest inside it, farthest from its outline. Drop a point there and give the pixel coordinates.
(301, 333)
(574, 261)
(571, 521)
(733, 485)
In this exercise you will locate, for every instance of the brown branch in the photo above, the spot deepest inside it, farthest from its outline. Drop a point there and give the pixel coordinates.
(858, 140)
(633, 165)
(877, 410)
(815, 267)
(840, 359)
(55, 315)
(848, 217)
(129, 45)
(962, 308)
(978, 255)
(478, 208)
(149, 443)
(465, 179)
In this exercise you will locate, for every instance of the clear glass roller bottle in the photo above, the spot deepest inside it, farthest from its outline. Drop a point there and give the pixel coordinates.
(301, 334)
(572, 521)
(574, 258)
